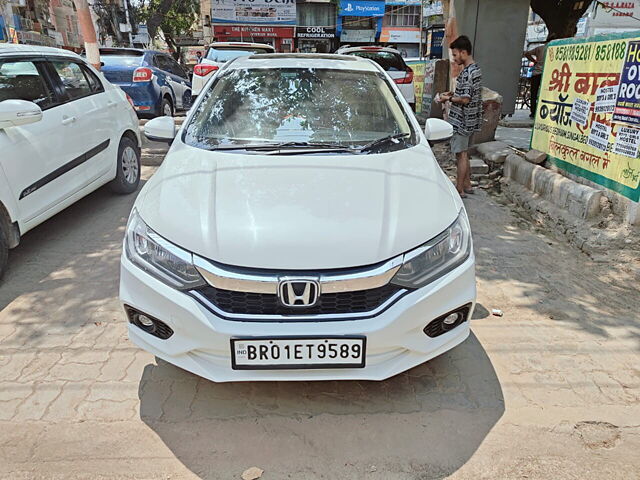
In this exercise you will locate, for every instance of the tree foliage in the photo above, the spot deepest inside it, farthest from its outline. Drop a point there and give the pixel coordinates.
(173, 17)
(561, 16)
(109, 17)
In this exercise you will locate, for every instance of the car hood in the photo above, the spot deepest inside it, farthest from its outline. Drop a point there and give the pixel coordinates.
(298, 212)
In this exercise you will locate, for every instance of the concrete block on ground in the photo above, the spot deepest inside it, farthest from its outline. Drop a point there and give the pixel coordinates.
(535, 156)
(152, 159)
(494, 152)
(581, 201)
(516, 122)
(478, 166)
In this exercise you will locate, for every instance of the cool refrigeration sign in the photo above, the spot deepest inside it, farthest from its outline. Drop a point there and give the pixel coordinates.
(267, 12)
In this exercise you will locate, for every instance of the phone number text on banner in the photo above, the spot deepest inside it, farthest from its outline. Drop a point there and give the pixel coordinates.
(588, 118)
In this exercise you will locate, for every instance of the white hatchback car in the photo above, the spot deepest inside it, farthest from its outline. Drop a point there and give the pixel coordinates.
(64, 132)
(217, 55)
(299, 228)
(391, 62)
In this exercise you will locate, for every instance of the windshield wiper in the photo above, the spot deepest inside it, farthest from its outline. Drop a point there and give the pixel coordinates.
(394, 139)
(283, 145)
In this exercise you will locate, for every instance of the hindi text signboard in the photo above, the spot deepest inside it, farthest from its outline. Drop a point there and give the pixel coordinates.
(588, 116)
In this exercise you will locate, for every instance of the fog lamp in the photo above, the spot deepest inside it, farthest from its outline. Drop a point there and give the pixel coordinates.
(145, 321)
(451, 319)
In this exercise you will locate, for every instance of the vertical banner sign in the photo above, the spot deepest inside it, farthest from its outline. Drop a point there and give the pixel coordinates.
(588, 117)
(418, 67)
(427, 89)
(628, 104)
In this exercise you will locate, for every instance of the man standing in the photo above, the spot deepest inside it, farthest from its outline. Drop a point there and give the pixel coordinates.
(535, 55)
(465, 111)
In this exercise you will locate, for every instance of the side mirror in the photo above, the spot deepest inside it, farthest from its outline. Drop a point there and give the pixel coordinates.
(14, 113)
(161, 129)
(437, 130)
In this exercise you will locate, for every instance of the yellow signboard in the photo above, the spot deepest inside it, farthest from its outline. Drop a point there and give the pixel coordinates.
(588, 116)
(13, 35)
(418, 68)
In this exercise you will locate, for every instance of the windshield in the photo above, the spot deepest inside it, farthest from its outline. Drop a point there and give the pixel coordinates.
(221, 54)
(319, 106)
(120, 60)
(389, 61)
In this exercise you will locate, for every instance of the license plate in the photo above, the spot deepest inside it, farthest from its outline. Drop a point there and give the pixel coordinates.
(289, 353)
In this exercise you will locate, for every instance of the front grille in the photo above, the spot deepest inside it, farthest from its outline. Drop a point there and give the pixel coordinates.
(244, 303)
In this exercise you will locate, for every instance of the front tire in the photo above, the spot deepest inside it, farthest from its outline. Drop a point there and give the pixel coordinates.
(4, 253)
(166, 108)
(128, 170)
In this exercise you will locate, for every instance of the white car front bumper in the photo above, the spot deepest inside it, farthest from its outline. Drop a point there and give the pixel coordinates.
(201, 340)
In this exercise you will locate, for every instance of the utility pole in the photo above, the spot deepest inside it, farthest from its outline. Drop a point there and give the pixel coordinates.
(129, 26)
(421, 27)
(88, 32)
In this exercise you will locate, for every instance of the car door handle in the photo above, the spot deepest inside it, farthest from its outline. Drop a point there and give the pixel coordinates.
(112, 104)
(68, 120)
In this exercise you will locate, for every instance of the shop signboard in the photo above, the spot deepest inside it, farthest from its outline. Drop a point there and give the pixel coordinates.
(361, 8)
(435, 39)
(358, 36)
(268, 12)
(315, 33)
(402, 2)
(588, 118)
(249, 31)
(431, 8)
(400, 35)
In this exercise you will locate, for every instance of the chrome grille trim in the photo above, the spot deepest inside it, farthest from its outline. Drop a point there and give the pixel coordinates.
(359, 279)
(329, 317)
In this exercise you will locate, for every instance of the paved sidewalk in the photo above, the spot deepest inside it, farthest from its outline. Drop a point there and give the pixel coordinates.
(549, 390)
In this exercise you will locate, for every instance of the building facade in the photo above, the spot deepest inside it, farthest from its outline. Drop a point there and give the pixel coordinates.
(261, 21)
(401, 26)
(316, 26)
(40, 22)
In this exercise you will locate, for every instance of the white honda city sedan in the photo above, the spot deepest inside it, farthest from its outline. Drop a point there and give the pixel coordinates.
(299, 228)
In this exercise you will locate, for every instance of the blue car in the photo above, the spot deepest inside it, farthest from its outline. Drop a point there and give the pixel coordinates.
(155, 82)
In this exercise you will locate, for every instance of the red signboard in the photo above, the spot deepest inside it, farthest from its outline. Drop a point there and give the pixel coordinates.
(252, 31)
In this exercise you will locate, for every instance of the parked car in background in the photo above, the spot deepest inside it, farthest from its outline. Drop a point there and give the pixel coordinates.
(218, 54)
(392, 62)
(156, 83)
(64, 132)
(300, 228)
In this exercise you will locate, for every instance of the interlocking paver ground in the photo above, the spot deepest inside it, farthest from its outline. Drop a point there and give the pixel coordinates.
(549, 390)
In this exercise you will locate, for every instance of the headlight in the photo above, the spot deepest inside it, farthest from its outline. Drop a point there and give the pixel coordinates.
(159, 257)
(436, 257)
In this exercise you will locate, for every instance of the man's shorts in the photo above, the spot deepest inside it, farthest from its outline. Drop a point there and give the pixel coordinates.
(460, 143)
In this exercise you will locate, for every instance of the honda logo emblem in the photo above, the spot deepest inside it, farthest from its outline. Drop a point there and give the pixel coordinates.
(302, 292)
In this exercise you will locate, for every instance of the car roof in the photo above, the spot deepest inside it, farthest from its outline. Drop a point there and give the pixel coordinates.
(240, 44)
(304, 60)
(19, 49)
(124, 50)
(370, 49)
